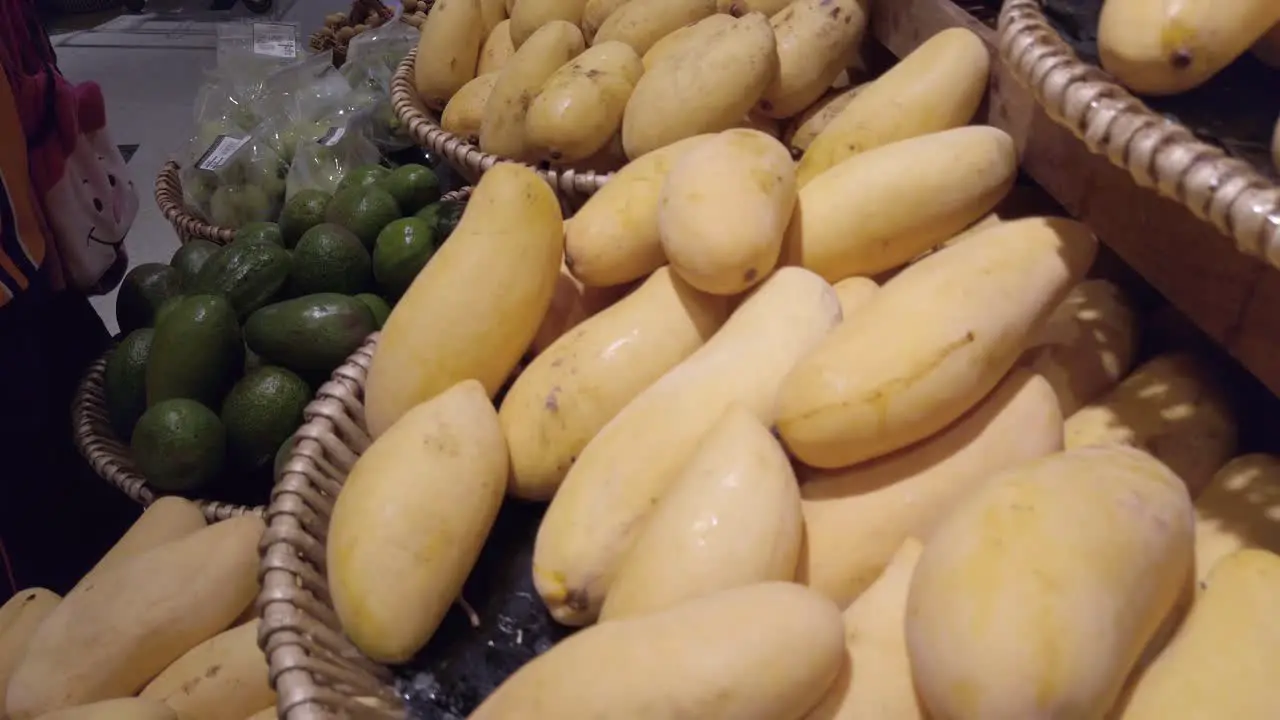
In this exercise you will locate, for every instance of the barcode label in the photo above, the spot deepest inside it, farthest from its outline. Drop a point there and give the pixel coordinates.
(332, 136)
(220, 151)
(279, 40)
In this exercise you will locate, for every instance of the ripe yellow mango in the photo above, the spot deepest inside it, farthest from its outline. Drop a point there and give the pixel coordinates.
(448, 50)
(815, 40)
(641, 24)
(931, 342)
(1006, 621)
(731, 518)
(411, 519)
(474, 308)
(579, 109)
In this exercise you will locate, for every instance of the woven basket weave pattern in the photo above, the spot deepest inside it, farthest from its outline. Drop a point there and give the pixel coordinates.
(1157, 152)
(572, 185)
(188, 226)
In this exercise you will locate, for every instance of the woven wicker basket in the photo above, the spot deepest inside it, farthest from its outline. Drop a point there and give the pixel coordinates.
(573, 186)
(188, 226)
(317, 673)
(110, 458)
(1157, 152)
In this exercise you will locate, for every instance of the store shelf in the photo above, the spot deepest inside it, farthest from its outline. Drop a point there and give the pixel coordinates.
(1234, 299)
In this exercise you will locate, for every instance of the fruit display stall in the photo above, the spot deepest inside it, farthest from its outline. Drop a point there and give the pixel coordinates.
(749, 321)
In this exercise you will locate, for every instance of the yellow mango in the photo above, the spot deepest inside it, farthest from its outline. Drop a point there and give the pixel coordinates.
(877, 684)
(107, 639)
(854, 292)
(579, 109)
(760, 652)
(117, 709)
(1155, 47)
(856, 517)
(165, 520)
(497, 49)
(628, 466)
(1222, 662)
(614, 238)
(502, 130)
(529, 16)
(714, 89)
(1172, 407)
(937, 87)
(731, 518)
(877, 210)
(688, 38)
(493, 13)
(1007, 621)
(931, 342)
(571, 304)
(1238, 510)
(474, 308)
(448, 50)
(594, 13)
(19, 618)
(815, 40)
(570, 391)
(724, 208)
(429, 488)
(222, 678)
(806, 126)
(641, 24)
(464, 114)
(1087, 345)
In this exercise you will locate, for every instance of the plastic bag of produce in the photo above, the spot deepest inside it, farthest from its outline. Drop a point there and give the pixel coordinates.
(234, 179)
(299, 98)
(321, 163)
(385, 45)
(371, 86)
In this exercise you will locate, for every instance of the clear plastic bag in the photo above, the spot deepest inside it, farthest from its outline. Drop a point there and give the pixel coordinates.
(299, 97)
(322, 162)
(385, 45)
(234, 180)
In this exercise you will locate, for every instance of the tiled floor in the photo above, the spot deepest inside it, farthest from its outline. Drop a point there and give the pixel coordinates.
(149, 66)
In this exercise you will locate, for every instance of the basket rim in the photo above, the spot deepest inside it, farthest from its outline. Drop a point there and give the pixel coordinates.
(1158, 153)
(188, 225)
(469, 159)
(110, 457)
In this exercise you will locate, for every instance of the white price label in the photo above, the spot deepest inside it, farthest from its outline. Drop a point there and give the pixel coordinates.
(220, 152)
(279, 40)
(332, 136)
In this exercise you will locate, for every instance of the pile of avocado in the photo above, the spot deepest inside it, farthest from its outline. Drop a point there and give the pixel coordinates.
(224, 346)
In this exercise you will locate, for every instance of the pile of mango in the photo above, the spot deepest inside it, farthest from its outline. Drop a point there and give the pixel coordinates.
(162, 628)
(849, 437)
(591, 84)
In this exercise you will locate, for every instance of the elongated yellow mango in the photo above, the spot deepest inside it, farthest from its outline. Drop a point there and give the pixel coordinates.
(1222, 662)
(887, 378)
(856, 517)
(1087, 345)
(937, 87)
(570, 391)
(879, 209)
(724, 208)
(1005, 621)
(815, 40)
(1238, 510)
(411, 519)
(497, 49)
(628, 466)
(1156, 47)
(688, 38)
(502, 127)
(579, 108)
(713, 89)
(614, 237)
(760, 652)
(448, 50)
(472, 311)
(19, 618)
(854, 292)
(731, 518)
(1173, 407)
(464, 115)
(877, 684)
(222, 678)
